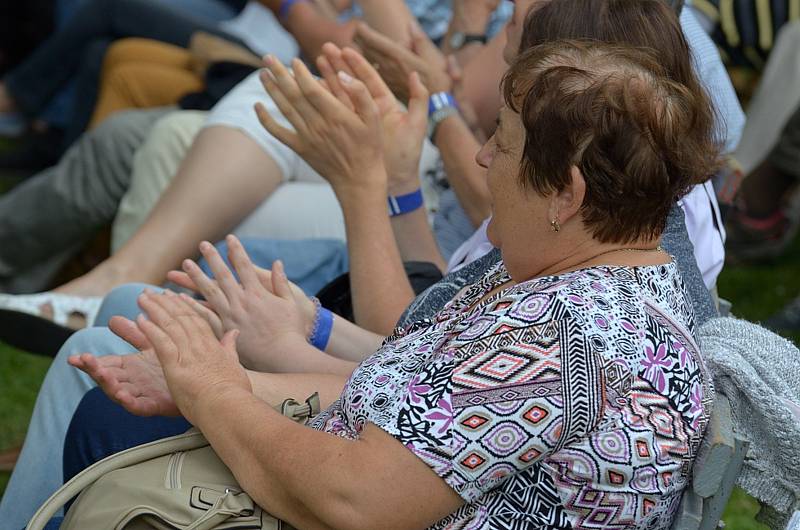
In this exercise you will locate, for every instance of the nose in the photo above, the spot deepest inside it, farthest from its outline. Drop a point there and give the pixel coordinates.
(484, 156)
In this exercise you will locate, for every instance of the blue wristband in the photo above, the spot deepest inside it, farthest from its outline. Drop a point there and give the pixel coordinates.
(439, 101)
(323, 325)
(405, 203)
(286, 5)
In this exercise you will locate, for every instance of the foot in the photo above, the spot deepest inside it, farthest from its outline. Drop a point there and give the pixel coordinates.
(75, 312)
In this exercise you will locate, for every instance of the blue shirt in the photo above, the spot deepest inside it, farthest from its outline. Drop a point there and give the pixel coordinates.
(434, 16)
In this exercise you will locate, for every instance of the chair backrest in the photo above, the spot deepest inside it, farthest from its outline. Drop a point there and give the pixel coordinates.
(716, 469)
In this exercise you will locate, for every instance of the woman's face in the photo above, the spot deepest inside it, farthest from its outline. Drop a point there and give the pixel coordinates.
(515, 27)
(519, 217)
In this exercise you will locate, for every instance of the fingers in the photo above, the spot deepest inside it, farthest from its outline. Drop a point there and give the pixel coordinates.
(364, 104)
(242, 264)
(280, 283)
(325, 103)
(364, 71)
(291, 101)
(206, 286)
(208, 315)
(128, 331)
(182, 279)
(333, 54)
(222, 273)
(332, 81)
(286, 136)
(418, 102)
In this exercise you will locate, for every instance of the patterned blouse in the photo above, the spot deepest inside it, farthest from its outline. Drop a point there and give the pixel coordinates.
(571, 401)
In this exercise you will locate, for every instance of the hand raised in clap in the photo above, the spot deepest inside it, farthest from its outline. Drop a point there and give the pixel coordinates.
(403, 129)
(263, 305)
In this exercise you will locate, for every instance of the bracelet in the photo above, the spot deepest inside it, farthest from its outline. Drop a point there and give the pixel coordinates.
(441, 105)
(323, 325)
(286, 5)
(441, 100)
(400, 204)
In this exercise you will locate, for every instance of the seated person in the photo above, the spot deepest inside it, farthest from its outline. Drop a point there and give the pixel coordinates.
(63, 388)
(254, 166)
(585, 301)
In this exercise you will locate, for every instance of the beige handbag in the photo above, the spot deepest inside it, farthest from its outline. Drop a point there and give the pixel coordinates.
(177, 483)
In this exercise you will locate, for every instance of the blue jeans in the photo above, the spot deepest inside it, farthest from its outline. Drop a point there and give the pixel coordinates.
(38, 472)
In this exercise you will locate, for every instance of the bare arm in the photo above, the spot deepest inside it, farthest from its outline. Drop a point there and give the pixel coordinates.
(273, 389)
(316, 480)
(309, 478)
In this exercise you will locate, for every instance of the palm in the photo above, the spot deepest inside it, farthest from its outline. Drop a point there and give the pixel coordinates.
(136, 381)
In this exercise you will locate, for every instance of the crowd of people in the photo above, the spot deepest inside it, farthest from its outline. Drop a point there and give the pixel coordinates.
(485, 232)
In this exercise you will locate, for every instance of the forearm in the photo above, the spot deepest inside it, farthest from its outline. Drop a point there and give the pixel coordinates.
(274, 389)
(312, 479)
(390, 17)
(378, 281)
(350, 342)
(458, 146)
(295, 355)
(312, 28)
(415, 239)
(481, 86)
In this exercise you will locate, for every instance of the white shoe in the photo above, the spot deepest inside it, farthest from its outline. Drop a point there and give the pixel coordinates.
(63, 305)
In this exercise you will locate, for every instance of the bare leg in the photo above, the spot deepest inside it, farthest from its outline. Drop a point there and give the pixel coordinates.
(223, 178)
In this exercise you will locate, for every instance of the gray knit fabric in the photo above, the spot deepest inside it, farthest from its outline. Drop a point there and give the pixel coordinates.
(758, 371)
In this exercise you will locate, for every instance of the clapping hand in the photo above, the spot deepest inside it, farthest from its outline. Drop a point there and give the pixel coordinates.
(403, 129)
(396, 62)
(266, 309)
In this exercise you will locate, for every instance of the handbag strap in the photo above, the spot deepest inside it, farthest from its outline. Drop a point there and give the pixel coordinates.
(192, 439)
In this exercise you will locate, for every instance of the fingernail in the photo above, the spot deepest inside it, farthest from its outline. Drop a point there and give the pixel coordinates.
(345, 78)
(269, 59)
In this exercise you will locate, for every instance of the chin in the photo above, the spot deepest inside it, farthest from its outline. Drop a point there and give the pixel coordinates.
(491, 235)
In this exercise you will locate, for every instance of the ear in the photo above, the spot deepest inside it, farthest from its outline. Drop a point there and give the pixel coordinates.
(567, 203)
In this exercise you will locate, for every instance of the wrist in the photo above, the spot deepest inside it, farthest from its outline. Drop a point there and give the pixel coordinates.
(407, 203)
(285, 7)
(322, 327)
(401, 185)
(471, 17)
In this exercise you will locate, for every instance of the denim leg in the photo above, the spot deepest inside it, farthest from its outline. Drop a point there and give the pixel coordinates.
(121, 301)
(310, 263)
(38, 472)
(44, 72)
(89, 441)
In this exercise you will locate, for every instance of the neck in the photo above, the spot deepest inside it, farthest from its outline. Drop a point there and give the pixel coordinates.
(590, 253)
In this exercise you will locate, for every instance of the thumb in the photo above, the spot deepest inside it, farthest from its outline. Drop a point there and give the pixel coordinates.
(229, 340)
(280, 283)
(454, 69)
(418, 100)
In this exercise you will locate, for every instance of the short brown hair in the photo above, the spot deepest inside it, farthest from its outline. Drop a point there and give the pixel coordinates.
(613, 112)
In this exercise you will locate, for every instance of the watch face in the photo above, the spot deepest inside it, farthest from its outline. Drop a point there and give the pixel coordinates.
(457, 40)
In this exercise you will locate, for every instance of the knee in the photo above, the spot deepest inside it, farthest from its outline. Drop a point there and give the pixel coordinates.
(175, 132)
(85, 340)
(121, 301)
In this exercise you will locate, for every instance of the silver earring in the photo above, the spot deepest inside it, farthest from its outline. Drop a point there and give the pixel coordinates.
(555, 225)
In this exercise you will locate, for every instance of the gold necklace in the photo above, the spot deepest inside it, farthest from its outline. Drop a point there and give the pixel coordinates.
(628, 249)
